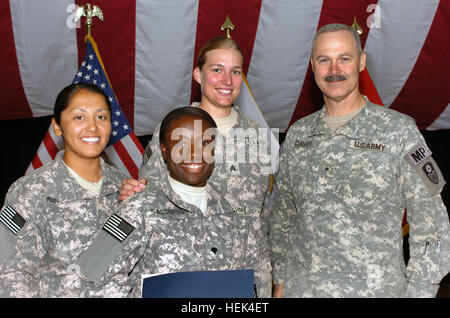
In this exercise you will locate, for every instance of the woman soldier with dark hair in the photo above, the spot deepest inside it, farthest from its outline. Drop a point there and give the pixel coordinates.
(51, 215)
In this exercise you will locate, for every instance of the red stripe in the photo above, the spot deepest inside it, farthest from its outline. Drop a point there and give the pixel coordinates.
(211, 15)
(36, 162)
(426, 93)
(50, 145)
(333, 11)
(11, 88)
(116, 40)
(126, 159)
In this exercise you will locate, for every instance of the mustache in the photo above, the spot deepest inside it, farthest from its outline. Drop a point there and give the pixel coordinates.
(335, 78)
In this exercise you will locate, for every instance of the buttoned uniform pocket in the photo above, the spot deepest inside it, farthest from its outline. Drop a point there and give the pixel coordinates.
(369, 183)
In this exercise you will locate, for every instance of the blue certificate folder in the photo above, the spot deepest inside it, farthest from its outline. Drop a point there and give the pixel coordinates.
(200, 284)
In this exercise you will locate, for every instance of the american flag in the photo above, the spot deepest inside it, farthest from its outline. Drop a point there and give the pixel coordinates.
(123, 149)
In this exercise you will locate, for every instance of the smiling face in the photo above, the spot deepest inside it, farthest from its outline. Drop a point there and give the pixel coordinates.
(188, 150)
(336, 64)
(220, 78)
(85, 126)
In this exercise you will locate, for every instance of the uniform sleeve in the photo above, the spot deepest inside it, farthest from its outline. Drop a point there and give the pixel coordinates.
(279, 225)
(263, 272)
(116, 280)
(429, 240)
(22, 246)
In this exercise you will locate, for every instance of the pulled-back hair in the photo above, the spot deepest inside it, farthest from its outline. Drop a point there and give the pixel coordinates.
(65, 96)
(220, 42)
(177, 113)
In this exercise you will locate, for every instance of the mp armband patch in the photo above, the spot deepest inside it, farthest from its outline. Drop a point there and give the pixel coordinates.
(421, 161)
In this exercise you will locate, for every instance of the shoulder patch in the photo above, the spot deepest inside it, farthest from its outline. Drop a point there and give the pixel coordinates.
(11, 219)
(118, 227)
(424, 165)
(419, 154)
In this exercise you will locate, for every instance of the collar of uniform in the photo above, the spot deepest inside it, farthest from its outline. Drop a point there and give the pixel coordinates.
(320, 125)
(111, 179)
(353, 129)
(164, 185)
(357, 126)
(67, 189)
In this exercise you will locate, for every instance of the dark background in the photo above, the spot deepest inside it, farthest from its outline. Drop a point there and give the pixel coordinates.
(20, 139)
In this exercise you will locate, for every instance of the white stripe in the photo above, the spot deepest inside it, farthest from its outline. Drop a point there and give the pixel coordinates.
(10, 211)
(132, 150)
(113, 227)
(115, 231)
(394, 45)
(252, 110)
(115, 219)
(165, 42)
(115, 159)
(43, 154)
(9, 224)
(281, 55)
(443, 121)
(46, 49)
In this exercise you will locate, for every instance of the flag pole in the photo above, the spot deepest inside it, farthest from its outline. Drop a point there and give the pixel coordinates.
(227, 26)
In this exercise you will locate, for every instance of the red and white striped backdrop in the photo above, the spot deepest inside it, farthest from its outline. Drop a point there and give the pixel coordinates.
(149, 48)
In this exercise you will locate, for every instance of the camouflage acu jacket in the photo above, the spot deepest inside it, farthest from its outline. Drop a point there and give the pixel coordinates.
(168, 235)
(48, 219)
(339, 202)
(245, 180)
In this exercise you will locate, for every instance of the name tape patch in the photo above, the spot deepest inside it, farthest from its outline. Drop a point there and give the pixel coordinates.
(118, 227)
(368, 145)
(419, 154)
(299, 143)
(11, 219)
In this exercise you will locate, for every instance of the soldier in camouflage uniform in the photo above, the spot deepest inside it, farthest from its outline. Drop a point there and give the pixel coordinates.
(172, 235)
(245, 180)
(49, 218)
(341, 192)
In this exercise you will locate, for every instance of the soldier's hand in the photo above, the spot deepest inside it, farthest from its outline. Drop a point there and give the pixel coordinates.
(130, 187)
(278, 291)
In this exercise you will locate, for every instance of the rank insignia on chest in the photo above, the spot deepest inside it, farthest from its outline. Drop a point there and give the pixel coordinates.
(233, 169)
(118, 227)
(52, 200)
(11, 219)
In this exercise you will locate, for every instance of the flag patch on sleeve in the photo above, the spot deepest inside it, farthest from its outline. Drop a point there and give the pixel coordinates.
(11, 219)
(118, 227)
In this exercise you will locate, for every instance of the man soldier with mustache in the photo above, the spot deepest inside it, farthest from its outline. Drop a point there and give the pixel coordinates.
(335, 228)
